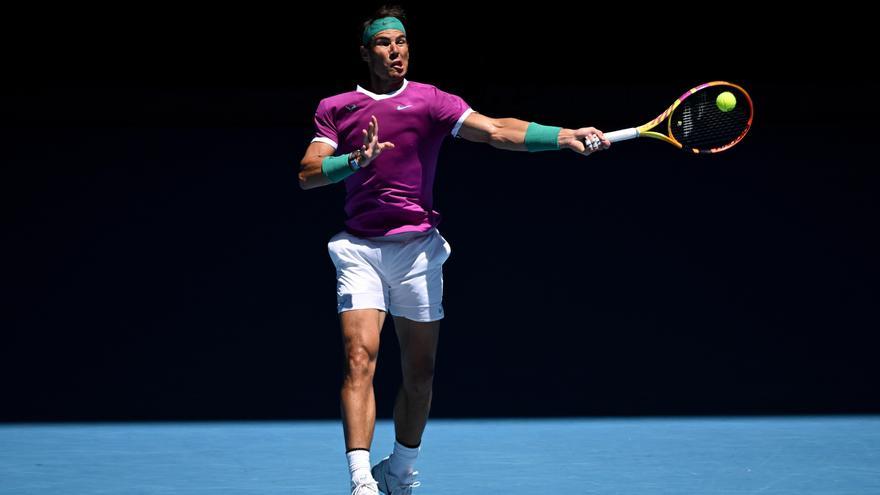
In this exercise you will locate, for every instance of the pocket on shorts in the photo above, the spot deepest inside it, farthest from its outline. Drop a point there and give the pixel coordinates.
(336, 247)
(445, 246)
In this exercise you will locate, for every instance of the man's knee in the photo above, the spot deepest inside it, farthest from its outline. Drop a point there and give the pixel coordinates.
(360, 334)
(360, 361)
(419, 379)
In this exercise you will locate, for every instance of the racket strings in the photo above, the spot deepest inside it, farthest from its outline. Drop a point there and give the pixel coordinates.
(699, 123)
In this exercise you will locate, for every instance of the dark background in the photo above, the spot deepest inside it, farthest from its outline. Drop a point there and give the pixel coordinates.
(159, 260)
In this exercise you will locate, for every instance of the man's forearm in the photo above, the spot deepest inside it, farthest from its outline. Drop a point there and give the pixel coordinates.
(508, 134)
(519, 135)
(311, 174)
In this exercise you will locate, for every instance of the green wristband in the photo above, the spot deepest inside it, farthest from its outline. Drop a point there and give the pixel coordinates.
(542, 137)
(336, 168)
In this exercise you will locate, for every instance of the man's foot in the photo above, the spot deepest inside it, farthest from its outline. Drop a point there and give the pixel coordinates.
(364, 486)
(388, 484)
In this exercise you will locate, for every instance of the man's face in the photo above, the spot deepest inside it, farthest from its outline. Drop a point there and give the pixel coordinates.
(388, 54)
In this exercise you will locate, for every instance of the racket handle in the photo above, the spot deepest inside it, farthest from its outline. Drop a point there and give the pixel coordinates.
(622, 135)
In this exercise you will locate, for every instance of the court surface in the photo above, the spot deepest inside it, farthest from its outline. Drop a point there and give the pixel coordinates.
(740, 455)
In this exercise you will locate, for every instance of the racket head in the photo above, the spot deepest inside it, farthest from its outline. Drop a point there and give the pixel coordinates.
(699, 123)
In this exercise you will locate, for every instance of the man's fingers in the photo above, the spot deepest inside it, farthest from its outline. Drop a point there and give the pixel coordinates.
(592, 139)
(371, 144)
(590, 143)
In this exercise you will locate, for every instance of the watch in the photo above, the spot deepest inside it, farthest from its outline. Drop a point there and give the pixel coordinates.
(352, 161)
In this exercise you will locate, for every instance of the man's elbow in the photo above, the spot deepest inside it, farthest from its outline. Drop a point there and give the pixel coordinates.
(304, 182)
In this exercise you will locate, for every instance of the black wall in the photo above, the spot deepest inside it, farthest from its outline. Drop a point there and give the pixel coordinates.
(159, 260)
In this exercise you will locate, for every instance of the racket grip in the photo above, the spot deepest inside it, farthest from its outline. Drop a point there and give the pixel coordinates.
(622, 135)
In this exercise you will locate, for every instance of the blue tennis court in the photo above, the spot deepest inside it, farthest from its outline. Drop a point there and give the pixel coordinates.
(738, 455)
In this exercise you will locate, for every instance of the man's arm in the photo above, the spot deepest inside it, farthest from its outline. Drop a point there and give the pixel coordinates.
(310, 173)
(313, 173)
(510, 134)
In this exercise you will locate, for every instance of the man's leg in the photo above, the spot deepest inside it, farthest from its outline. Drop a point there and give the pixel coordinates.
(360, 337)
(418, 351)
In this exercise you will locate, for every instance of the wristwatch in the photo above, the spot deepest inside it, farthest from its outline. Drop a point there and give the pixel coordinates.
(353, 160)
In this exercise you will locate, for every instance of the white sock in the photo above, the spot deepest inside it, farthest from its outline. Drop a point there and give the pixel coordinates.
(402, 461)
(359, 464)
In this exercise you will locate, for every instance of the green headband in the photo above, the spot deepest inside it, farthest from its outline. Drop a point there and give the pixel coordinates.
(381, 25)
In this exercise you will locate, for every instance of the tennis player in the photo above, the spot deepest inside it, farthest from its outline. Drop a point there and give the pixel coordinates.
(382, 141)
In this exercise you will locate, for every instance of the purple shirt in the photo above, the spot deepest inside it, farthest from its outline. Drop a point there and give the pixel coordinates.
(394, 193)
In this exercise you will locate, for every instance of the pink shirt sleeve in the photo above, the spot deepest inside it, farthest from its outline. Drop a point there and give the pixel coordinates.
(449, 110)
(325, 125)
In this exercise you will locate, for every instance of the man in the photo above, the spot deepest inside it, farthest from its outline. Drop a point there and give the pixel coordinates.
(389, 258)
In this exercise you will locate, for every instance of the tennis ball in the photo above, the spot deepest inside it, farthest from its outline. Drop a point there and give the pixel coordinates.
(725, 101)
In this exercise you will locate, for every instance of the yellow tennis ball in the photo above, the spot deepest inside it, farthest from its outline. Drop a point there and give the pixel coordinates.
(725, 101)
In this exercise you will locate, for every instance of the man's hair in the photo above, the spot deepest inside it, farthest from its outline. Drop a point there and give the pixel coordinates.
(384, 11)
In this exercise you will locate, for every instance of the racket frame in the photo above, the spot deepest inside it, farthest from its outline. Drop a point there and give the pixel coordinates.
(644, 130)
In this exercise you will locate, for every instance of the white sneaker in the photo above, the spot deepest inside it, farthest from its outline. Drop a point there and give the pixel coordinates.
(364, 486)
(388, 484)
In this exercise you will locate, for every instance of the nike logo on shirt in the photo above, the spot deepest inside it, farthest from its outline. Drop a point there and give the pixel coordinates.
(403, 107)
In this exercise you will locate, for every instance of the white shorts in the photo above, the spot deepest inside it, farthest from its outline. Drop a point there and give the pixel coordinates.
(400, 273)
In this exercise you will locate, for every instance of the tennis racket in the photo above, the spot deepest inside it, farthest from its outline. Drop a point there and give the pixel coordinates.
(707, 119)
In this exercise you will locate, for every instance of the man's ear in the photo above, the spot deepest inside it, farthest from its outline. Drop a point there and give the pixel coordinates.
(365, 55)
